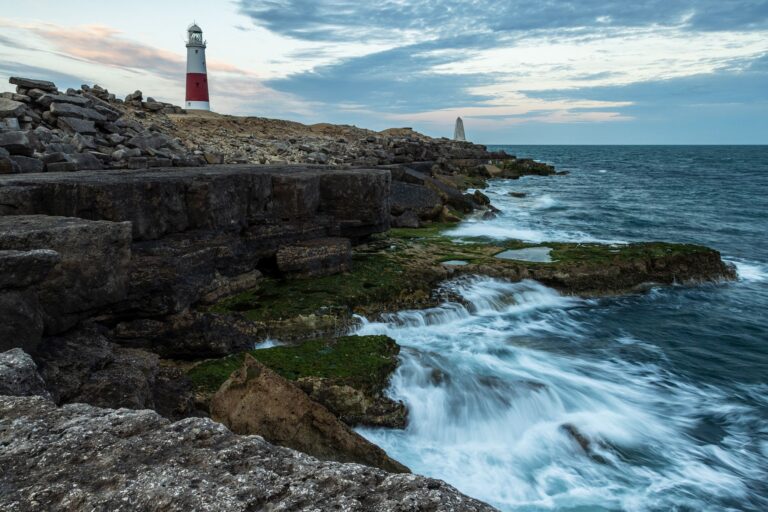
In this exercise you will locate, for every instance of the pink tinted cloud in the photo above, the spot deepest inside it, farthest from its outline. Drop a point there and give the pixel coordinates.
(105, 45)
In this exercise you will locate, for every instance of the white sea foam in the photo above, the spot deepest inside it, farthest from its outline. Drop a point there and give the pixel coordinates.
(750, 271)
(488, 410)
(268, 343)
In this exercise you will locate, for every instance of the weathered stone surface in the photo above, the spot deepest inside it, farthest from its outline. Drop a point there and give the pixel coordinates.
(353, 406)
(93, 268)
(319, 257)
(17, 143)
(45, 100)
(358, 200)
(74, 125)
(22, 320)
(145, 462)
(424, 202)
(69, 110)
(188, 335)
(29, 83)
(66, 166)
(11, 108)
(87, 162)
(27, 164)
(18, 375)
(351, 203)
(256, 400)
(83, 366)
(21, 269)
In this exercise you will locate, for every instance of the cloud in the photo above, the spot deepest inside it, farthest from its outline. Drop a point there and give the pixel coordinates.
(344, 20)
(62, 80)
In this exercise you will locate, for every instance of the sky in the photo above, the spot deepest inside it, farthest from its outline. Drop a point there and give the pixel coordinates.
(517, 72)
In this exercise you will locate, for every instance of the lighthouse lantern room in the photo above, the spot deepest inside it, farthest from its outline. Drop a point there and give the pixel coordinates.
(197, 75)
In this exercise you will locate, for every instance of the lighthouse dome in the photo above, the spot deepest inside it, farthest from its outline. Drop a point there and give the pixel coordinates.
(194, 28)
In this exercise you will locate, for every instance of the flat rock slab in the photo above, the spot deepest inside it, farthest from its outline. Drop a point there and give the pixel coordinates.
(320, 257)
(349, 203)
(80, 457)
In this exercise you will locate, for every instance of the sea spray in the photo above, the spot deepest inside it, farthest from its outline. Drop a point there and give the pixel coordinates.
(504, 417)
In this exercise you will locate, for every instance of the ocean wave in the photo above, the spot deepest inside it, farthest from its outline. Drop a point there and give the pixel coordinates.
(502, 417)
(750, 271)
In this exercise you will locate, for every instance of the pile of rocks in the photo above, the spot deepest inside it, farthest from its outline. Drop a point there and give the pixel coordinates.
(45, 130)
(271, 141)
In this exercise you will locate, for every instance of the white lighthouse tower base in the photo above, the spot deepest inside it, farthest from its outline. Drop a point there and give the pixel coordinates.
(197, 105)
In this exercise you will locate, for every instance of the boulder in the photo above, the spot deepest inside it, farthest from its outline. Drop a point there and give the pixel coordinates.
(424, 202)
(21, 269)
(17, 143)
(28, 83)
(27, 164)
(93, 269)
(70, 110)
(256, 400)
(74, 125)
(8, 166)
(18, 375)
(353, 406)
(85, 458)
(45, 100)
(408, 219)
(22, 320)
(134, 96)
(11, 108)
(87, 162)
(312, 258)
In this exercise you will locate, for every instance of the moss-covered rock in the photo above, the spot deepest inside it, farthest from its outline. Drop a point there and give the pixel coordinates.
(348, 375)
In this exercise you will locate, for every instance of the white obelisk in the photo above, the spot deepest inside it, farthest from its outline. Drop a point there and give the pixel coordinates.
(458, 132)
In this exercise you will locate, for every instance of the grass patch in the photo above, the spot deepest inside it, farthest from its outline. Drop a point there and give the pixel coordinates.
(363, 362)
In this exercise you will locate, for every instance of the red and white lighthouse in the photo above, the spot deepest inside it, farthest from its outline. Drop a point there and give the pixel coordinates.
(197, 75)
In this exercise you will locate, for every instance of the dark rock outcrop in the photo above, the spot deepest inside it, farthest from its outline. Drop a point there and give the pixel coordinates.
(92, 269)
(65, 458)
(18, 375)
(256, 400)
(354, 406)
(84, 366)
(319, 257)
(196, 233)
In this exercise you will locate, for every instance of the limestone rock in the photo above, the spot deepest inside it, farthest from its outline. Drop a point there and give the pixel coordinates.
(424, 202)
(256, 400)
(21, 269)
(93, 268)
(29, 83)
(318, 257)
(27, 164)
(17, 143)
(74, 125)
(11, 108)
(45, 100)
(84, 458)
(18, 375)
(353, 406)
(70, 110)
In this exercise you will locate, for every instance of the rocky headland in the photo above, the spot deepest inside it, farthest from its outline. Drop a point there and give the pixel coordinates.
(144, 253)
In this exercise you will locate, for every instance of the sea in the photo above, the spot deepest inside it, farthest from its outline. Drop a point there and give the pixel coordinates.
(531, 400)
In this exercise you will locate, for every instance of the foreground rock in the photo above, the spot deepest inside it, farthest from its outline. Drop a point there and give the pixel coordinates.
(18, 375)
(256, 400)
(79, 457)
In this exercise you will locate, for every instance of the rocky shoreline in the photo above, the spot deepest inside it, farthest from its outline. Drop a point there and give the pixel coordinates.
(144, 251)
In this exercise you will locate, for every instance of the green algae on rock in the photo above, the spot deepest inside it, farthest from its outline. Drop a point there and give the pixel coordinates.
(348, 375)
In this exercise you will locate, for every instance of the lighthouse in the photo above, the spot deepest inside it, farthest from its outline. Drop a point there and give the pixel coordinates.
(197, 75)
